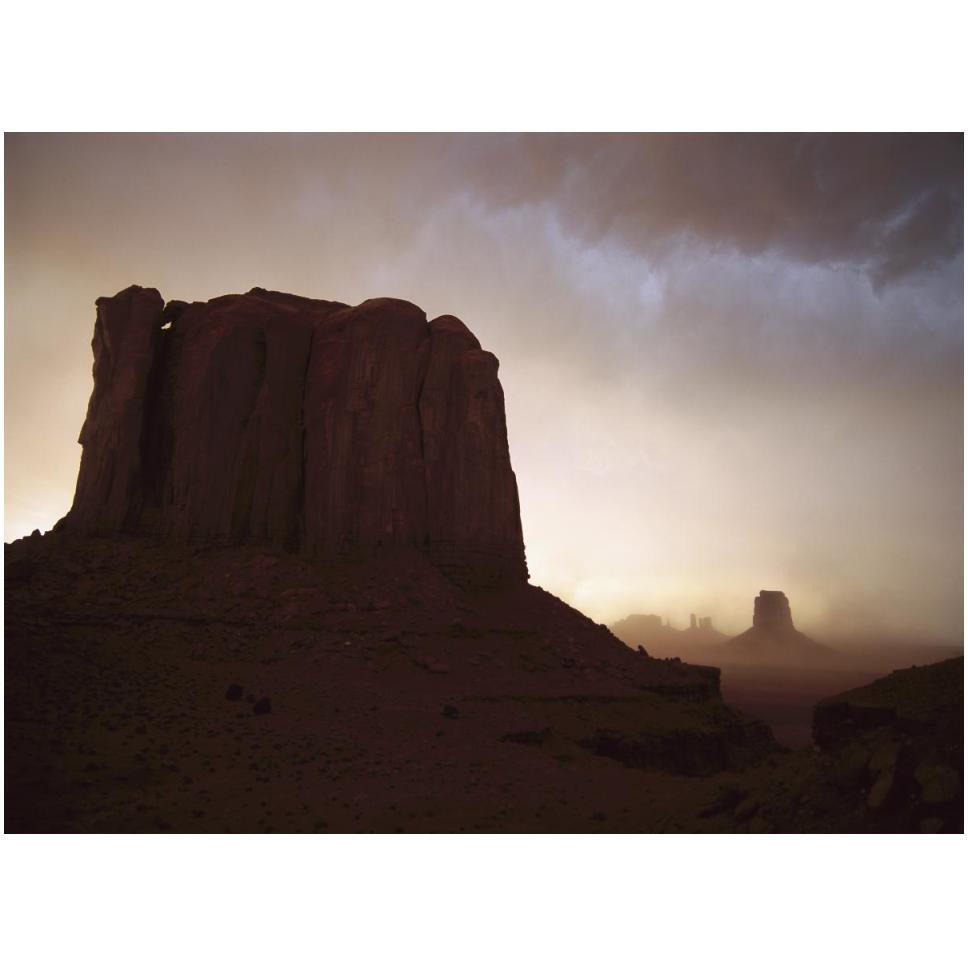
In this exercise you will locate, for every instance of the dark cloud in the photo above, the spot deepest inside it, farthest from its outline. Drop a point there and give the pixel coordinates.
(884, 204)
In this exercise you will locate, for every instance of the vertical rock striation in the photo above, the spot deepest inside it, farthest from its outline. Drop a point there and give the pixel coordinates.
(299, 423)
(110, 481)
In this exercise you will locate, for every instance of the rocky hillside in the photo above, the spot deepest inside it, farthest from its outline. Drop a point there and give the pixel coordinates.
(291, 595)
(149, 687)
(904, 737)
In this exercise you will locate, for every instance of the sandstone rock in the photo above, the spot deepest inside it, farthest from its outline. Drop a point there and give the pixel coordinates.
(911, 724)
(773, 639)
(475, 519)
(939, 783)
(746, 810)
(109, 485)
(913, 703)
(771, 611)
(173, 309)
(302, 424)
(884, 757)
(881, 789)
(694, 644)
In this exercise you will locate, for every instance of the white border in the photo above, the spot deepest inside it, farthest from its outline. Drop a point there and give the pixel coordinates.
(485, 900)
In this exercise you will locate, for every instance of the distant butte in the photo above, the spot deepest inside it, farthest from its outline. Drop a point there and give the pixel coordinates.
(773, 638)
(771, 612)
(307, 425)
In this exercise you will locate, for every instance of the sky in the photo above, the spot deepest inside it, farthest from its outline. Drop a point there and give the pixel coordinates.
(730, 362)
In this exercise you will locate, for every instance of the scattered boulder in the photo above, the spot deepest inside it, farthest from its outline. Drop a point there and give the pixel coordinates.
(234, 693)
(262, 707)
(882, 788)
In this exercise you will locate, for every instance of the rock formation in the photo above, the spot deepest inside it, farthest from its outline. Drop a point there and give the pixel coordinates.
(899, 747)
(267, 418)
(691, 644)
(771, 612)
(772, 639)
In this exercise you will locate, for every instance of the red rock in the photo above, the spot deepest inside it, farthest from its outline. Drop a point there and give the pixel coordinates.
(771, 610)
(773, 638)
(109, 485)
(299, 423)
(364, 476)
(475, 519)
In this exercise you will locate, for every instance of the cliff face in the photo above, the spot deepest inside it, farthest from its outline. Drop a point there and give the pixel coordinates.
(771, 612)
(302, 424)
(125, 343)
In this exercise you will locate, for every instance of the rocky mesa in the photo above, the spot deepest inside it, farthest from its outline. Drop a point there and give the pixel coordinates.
(298, 423)
(773, 639)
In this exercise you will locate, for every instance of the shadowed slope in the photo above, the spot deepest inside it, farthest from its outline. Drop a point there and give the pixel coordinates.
(396, 699)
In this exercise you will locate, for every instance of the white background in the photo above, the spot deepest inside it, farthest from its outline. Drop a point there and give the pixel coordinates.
(486, 900)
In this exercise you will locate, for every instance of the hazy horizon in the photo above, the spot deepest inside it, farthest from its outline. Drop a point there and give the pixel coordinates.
(729, 362)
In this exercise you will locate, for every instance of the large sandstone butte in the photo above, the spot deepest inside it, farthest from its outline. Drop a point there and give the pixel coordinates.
(268, 418)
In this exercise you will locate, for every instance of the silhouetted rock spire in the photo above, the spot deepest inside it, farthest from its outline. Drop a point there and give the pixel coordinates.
(771, 612)
(772, 639)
